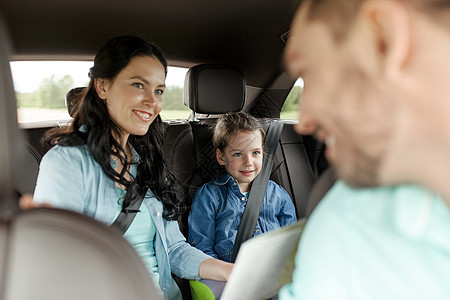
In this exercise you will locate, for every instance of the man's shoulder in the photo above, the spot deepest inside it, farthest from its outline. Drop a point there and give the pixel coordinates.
(343, 193)
(392, 208)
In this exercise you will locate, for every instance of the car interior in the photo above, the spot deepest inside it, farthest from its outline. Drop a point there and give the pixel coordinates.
(234, 52)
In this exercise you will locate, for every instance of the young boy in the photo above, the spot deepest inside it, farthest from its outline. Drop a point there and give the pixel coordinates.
(218, 205)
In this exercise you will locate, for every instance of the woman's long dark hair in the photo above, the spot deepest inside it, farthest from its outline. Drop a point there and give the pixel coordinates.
(92, 113)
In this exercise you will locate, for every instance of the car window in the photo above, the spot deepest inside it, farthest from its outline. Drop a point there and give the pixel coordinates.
(41, 87)
(173, 107)
(291, 104)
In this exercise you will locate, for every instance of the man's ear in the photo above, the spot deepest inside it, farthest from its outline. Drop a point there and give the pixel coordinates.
(219, 156)
(390, 23)
(101, 87)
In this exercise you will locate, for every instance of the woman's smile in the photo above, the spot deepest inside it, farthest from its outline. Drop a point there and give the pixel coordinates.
(142, 115)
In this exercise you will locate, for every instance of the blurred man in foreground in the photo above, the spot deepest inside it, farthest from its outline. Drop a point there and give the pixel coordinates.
(377, 92)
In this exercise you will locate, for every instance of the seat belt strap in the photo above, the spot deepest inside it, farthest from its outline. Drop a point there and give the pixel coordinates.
(258, 189)
(127, 215)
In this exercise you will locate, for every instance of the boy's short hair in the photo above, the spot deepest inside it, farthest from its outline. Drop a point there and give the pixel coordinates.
(230, 124)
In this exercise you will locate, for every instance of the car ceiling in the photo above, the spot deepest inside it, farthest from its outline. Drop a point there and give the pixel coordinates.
(237, 32)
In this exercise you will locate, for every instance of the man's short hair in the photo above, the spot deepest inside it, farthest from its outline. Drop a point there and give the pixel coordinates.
(340, 14)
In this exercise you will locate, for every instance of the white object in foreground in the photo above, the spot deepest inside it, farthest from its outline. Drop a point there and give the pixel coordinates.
(256, 273)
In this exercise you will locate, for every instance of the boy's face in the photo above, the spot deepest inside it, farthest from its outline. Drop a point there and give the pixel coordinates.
(242, 157)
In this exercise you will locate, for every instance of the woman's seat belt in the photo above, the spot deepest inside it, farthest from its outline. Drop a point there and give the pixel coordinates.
(126, 216)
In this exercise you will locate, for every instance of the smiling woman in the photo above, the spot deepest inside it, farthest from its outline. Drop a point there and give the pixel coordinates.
(133, 97)
(41, 87)
(110, 158)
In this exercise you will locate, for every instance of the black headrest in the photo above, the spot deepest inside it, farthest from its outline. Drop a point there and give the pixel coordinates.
(73, 98)
(214, 89)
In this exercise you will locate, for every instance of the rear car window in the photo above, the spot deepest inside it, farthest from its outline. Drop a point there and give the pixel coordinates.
(290, 109)
(41, 87)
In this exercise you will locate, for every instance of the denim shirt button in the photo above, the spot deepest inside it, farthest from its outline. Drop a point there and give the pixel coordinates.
(234, 183)
(158, 214)
(243, 198)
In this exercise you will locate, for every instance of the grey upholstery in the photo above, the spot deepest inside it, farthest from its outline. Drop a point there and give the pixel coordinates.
(27, 169)
(54, 254)
(292, 167)
(319, 190)
(28, 164)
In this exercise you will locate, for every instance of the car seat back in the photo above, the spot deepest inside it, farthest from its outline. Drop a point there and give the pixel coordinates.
(58, 254)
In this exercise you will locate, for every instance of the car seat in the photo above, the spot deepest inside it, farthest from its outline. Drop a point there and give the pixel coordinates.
(211, 90)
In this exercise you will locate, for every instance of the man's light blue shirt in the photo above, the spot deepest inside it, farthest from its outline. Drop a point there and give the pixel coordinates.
(70, 178)
(380, 243)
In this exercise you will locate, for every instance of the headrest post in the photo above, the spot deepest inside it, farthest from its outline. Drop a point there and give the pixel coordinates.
(193, 117)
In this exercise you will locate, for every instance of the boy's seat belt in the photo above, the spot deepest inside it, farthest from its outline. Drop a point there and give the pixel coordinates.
(258, 189)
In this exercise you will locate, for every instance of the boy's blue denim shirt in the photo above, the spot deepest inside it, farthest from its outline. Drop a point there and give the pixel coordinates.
(70, 178)
(217, 210)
